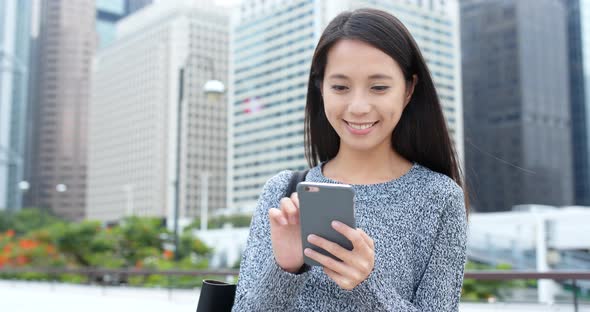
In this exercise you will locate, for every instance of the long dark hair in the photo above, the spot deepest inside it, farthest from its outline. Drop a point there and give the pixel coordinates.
(421, 135)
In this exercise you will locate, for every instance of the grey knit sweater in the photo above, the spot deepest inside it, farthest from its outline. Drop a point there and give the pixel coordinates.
(418, 223)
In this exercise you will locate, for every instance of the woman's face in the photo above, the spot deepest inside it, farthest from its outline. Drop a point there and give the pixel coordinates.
(364, 94)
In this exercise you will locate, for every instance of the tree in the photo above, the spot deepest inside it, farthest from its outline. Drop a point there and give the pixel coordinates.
(134, 243)
(139, 238)
(83, 241)
(25, 220)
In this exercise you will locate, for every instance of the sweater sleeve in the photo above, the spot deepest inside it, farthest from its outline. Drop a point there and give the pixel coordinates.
(262, 284)
(440, 287)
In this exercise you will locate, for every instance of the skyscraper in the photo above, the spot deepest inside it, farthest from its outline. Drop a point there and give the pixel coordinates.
(109, 12)
(516, 103)
(579, 61)
(66, 46)
(133, 141)
(273, 43)
(15, 22)
(134, 5)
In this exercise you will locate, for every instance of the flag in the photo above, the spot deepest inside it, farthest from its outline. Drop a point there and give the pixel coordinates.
(253, 105)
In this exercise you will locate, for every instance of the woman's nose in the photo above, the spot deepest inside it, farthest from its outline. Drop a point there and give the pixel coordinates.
(359, 104)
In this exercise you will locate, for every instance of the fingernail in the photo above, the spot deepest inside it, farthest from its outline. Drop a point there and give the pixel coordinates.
(310, 237)
(307, 251)
(283, 221)
(336, 224)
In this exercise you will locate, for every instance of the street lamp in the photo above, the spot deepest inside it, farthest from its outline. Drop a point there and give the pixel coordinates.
(213, 89)
(60, 188)
(24, 186)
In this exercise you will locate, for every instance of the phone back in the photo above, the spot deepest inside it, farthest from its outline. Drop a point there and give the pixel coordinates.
(321, 205)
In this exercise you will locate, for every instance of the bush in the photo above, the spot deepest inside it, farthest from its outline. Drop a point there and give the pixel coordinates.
(135, 243)
(475, 290)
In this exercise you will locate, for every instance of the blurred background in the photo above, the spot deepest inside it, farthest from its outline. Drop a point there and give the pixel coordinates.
(136, 136)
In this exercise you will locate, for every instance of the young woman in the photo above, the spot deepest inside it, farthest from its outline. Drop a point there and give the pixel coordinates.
(373, 120)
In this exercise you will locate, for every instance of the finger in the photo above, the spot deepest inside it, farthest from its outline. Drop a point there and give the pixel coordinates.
(359, 262)
(331, 247)
(295, 199)
(353, 235)
(341, 280)
(291, 212)
(276, 217)
(367, 239)
(326, 261)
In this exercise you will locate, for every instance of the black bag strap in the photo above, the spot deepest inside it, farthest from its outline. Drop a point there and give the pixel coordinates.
(298, 176)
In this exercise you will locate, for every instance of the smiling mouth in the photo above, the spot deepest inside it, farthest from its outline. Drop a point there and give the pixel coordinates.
(361, 126)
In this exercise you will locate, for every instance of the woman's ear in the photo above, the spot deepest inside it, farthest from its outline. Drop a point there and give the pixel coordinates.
(410, 89)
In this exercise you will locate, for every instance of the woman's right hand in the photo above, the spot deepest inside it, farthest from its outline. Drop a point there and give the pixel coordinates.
(285, 233)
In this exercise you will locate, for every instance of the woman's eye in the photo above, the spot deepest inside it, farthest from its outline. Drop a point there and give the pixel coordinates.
(339, 88)
(380, 88)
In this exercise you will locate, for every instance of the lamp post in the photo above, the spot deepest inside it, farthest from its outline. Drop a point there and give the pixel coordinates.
(129, 207)
(204, 199)
(212, 88)
(23, 186)
(60, 188)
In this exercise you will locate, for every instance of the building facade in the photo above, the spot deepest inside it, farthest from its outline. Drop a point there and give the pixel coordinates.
(516, 103)
(272, 47)
(109, 12)
(578, 13)
(15, 29)
(66, 45)
(134, 154)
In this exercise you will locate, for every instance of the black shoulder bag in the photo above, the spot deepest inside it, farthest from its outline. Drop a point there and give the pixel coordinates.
(219, 296)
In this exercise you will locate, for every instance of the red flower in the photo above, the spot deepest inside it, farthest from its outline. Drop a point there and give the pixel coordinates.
(10, 233)
(168, 254)
(28, 244)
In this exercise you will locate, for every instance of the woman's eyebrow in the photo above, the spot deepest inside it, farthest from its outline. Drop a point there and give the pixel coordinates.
(338, 76)
(380, 76)
(374, 76)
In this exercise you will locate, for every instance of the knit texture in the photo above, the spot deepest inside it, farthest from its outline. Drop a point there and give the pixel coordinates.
(419, 226)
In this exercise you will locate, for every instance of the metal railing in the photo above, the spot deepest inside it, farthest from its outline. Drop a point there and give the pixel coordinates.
(117, 276)
(573, 276)
(96, 274)
(130, 272)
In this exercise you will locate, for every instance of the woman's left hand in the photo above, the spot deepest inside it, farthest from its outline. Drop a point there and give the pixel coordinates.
(356, 264)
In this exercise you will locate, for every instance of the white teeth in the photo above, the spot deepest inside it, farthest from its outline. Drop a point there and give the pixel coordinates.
(360, 126)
